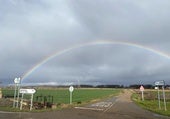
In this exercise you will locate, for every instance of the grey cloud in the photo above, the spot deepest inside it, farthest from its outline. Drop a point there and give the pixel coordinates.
(33, 30)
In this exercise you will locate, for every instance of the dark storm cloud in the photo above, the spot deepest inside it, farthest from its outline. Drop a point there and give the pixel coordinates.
(32, 30)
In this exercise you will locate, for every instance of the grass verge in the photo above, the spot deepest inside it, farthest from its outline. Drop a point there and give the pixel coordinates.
(151, 105)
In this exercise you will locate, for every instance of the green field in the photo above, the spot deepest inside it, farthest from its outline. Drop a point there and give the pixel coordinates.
(79, 95)
(62, 95)
(151, 102)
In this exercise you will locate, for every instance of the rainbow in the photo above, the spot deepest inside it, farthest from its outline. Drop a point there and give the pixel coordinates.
(99, 42)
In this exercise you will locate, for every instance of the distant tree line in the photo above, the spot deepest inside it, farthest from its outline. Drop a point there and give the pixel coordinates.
(146, 86)
(99, 86)
(109, 86)
(137, 86)
(133, 86)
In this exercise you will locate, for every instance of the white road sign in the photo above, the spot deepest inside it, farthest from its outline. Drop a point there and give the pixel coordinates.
(71, 89)
(159, 83)
(17, 80)
(142, 88)
(27, 91)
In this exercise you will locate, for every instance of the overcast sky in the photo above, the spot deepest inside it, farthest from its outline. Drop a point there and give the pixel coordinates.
(32, 30)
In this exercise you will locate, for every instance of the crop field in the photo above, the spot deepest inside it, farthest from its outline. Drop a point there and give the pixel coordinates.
(151, 101)
(62, 95)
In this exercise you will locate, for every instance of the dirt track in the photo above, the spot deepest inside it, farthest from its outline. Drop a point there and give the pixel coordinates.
(120, 107)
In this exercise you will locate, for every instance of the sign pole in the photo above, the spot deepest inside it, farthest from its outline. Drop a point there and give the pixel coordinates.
(164, 97)
(159, 84)
(31, 102)
(21, 101)
(142, 96)
(70, 97)
(142, 90)
(71, 89)
(159, 103)
(18, 85)
(14, 102)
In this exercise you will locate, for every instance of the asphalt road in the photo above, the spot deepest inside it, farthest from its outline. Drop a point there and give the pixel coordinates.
(120, 107)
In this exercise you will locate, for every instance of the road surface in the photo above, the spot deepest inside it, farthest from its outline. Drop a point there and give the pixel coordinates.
(120, 107)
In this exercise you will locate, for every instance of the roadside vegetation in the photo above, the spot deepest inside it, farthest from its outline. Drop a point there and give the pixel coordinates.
(151, 101)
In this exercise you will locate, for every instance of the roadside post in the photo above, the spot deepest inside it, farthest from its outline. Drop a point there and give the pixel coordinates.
(71, 89)
(161, 84)
(164, 97)
(17, 82)
(27, 91)
(159, 101)
(142, 90)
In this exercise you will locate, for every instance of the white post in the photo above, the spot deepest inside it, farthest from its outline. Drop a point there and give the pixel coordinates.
(71, 91)
(18, 85)
(142, 96)
(164, 98)
(14, 102)
(31, 102)
(70, 97)
(18, 95)
(21, 101)
(142, 89)
(159, 103)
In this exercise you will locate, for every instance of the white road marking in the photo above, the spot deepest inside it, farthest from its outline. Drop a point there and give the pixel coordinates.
(100, 106)
(87, 108)
(110, 106)
(3, 112)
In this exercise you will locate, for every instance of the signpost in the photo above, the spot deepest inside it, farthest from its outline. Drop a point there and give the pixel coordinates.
(159, 100)
(17, 82)
(142, 90)
(161, 84)
(27, 91)
(164, 97)
(71, 89)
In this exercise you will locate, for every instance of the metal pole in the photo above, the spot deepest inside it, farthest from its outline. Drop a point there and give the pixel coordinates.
(14, 102)
(70, 97)
(164, 98)
(18, 93)
(31, 102)
(159, 103)
(21, 101)
(142, 96)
